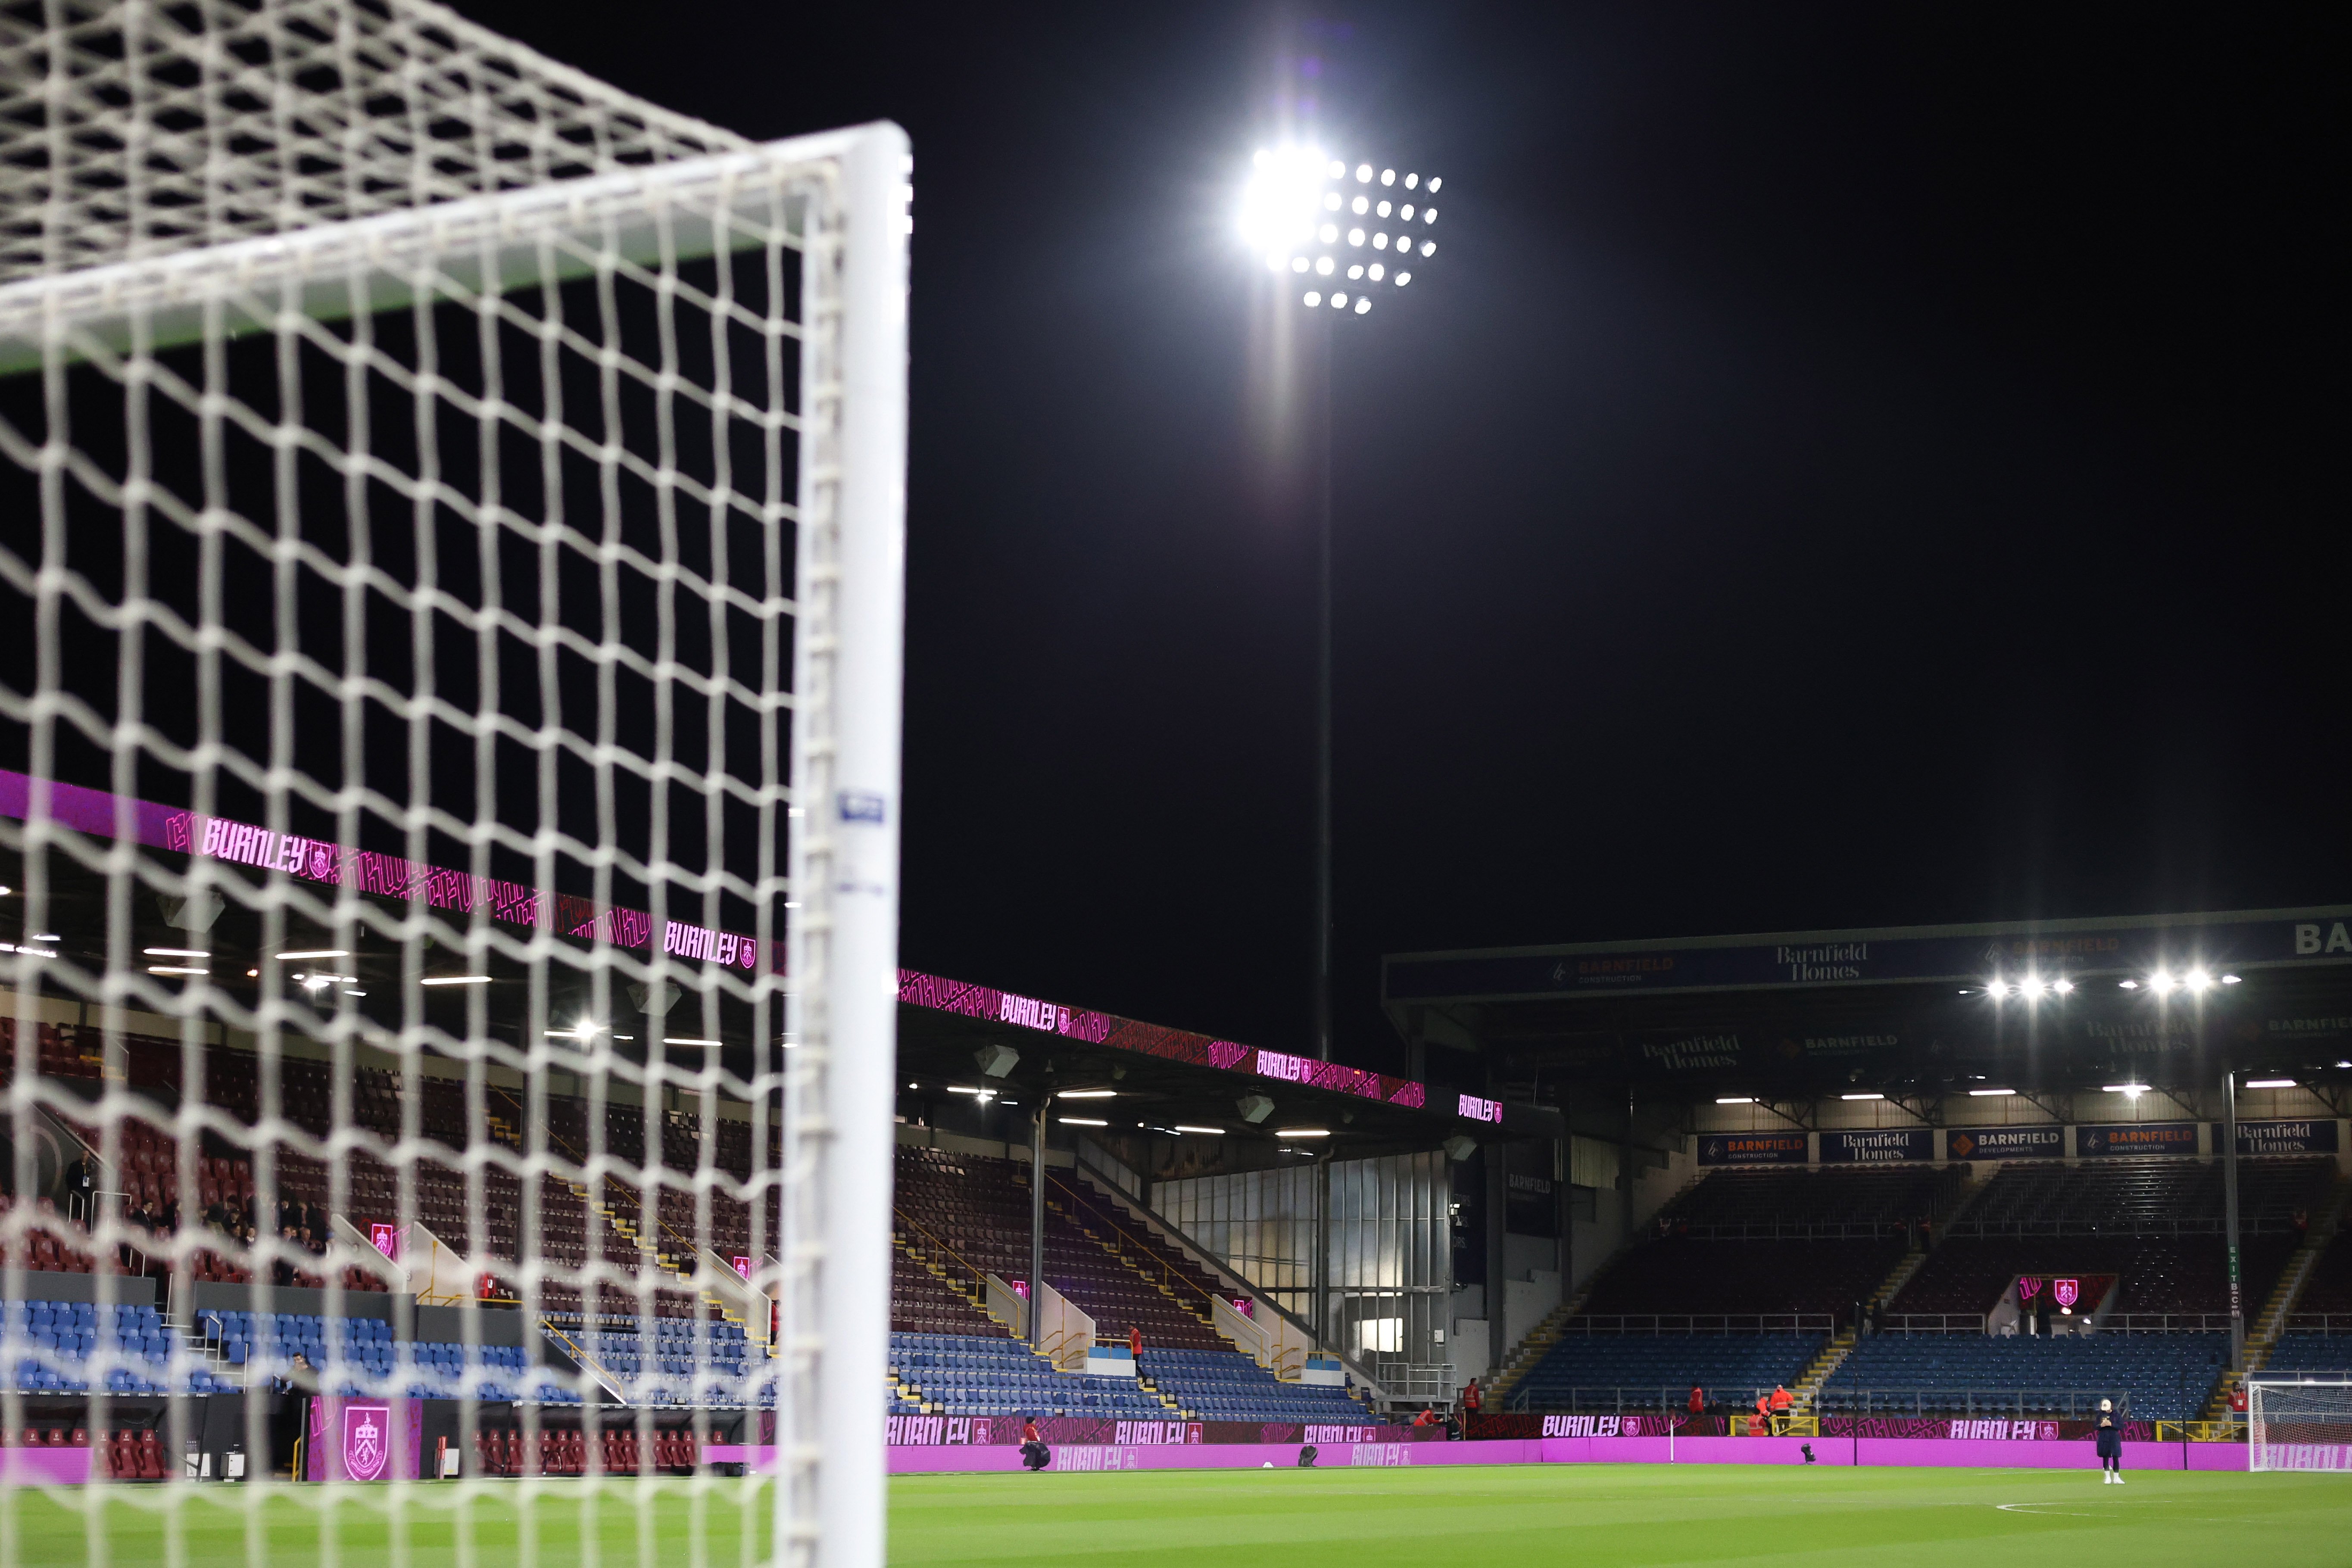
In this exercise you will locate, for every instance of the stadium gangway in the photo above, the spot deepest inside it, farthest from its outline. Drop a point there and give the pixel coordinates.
(1724, 1323)
(1666, 1400)
(2073, 1404)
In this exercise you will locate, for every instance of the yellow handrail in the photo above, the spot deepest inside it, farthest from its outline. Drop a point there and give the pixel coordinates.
(980, 1275)
(1149, 1251)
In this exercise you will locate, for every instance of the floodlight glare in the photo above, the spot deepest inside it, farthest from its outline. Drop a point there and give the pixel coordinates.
(1987, 1093)
(1363, 173)
(1382, 209)
(1204, 1132)
(1429, 247)
(1356, 271)
(1362, 304)
(1331, 202)
(1338, 170)
(2129, 985)
(1274, 261)
(1997, 989)
(1376, 271)
(2032, 986)
(1433, 182)
(1355, 236)
(2198, 980)
(1736, 1100)
(1403, 279)
(2128, 1090)
(1299, 263)
(2270, 1083)
(1361, 205)
(1862, 1097)
(1381, 241)
(1388, 176)
(1428, 214)
(1313, 298)
(1323, 266)
(2228, 980)
(1278, 204)
(1405, 212)
(1338, 301)
(2063, 987)
(2160, 983)
(1328, 233)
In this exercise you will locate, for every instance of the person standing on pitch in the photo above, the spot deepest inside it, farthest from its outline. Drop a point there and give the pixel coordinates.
(2111, 1445)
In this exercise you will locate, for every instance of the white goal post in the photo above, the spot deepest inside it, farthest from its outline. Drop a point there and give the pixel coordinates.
(2299, 1422)
(451, 602)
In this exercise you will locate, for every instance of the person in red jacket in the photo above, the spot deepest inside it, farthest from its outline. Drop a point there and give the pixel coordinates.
(1470, 1398)
(1035, 1455)
(1135, 1341)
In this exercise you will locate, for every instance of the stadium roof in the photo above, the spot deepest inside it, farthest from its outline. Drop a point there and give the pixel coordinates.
(1924, 1012)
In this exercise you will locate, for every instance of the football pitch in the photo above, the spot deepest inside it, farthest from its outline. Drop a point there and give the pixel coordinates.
(1592, 1516)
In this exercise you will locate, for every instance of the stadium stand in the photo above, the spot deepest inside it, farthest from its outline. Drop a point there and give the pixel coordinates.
(2157, 1275)
(1652, 1372)
(949, 1375)
(1686, 1275)
(2143, 1197)
(1219, 1385)
(1739, 1204)
(2165, 1376)
(2303, 1353)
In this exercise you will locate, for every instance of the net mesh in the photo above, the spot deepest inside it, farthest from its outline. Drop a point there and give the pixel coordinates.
(419, 469)
(2300, 1424)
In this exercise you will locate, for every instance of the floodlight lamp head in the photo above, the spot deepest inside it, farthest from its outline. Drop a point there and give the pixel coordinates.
(1254, 1107)
(1460, 1147)
(995, 1061)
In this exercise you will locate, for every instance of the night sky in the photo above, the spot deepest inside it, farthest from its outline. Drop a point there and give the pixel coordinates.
(1848, 466)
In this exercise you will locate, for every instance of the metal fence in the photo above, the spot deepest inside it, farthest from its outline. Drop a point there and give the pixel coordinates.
(2075, 1404)
(1724, 1323)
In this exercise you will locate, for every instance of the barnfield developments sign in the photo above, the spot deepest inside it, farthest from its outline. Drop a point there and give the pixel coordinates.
(2005, 1142)
(2241, 939)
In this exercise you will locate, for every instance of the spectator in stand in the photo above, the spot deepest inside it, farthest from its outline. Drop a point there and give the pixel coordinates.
(1780, 1402)
(1697, 1400)
(1135, 1341)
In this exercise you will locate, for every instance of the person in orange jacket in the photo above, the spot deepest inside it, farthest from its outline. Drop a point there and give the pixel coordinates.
(1760, 1423)
(1779, 1404)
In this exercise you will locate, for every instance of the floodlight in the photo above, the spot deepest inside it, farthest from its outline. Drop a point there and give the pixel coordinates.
(1081, 1122)
(1331, 202)
(173, 969)
(1985, 1093)
(2128, 1090)
(2228, 980)
(1433, 182)
(1356, 271)
(286, 957)
(1323, 266)
(1428, 214)
(1274, 262)
(2270, 1083)
(1429, 247)
(1736, 1100)
(1377, 269)
(1302, 1133)
(2161, 982)
(455, 980)
(1338, 170)
(1363, 173)
(1206, 1131)
(1312, 298)
(1382, 209)
(1254, 1107)
(1381, 241)
(1403, 279)
(995, 1061)
(2129, 985)
(1278, 204)
(2198, 980)
(1339, 301)
(1862, 1097)
(1405, 212)
(168, 952)
(1087, 1094)
(1299, 263)
(1388, 176)
(1355, 236)
(686, 1040)
(2032, 986)
(2063, 987)
(1329, 234)
(1459, 1149)
(1996, 988)
(1362, 304)
(1361, 205)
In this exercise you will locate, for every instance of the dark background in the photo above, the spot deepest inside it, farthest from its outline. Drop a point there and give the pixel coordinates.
(1853, 465)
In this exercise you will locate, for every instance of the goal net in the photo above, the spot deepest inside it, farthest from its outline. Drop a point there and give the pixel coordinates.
(450, 600)
(2299, 1424)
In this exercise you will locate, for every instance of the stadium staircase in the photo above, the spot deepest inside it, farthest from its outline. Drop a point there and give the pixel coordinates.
(2263, 1336)
(1824, 1366)
(1531, 1350)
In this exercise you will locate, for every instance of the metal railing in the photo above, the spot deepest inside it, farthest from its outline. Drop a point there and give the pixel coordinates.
(2319, 1324)
(1780, 1230)
(2128, 1225)
(1664, 1400)
(1724, 1323)
(2073, 1404)
(2165, 1323)
(2231, 1431)
(1931, 1324)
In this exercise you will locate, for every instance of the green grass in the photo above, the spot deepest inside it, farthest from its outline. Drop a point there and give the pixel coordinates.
(1590, 1516)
